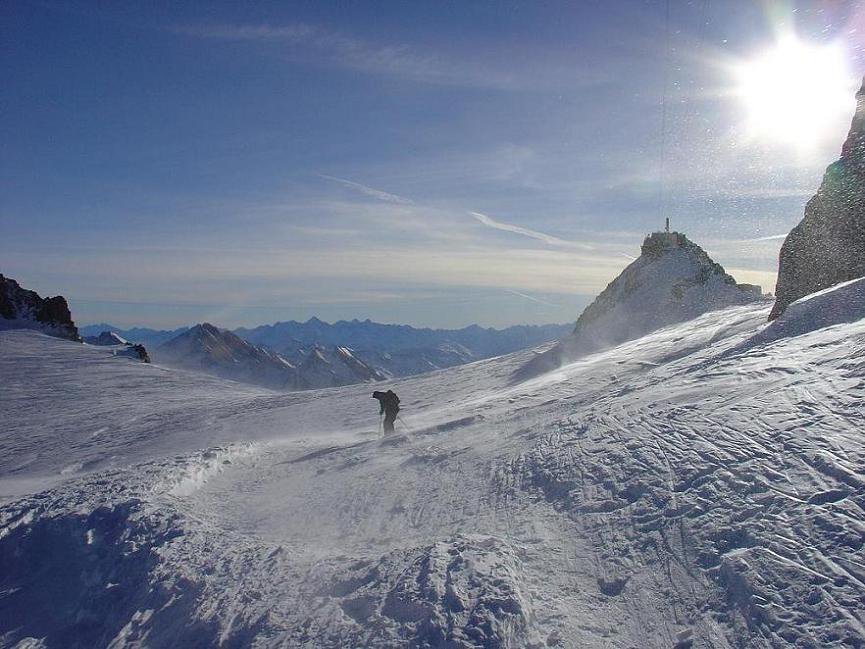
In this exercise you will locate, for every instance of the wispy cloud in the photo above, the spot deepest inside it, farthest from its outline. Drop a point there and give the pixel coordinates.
(296, 33)
(526, 232)
(370, 191)
(333, 48)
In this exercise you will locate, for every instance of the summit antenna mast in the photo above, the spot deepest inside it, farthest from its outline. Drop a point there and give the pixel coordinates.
(662, 166)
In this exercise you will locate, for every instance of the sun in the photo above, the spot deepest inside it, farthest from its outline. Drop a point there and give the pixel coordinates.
(796, 93)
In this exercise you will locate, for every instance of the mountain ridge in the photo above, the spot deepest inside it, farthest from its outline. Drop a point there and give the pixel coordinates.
(220, 352)
(393, 350)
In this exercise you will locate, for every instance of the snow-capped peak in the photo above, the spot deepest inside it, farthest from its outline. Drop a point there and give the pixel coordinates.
(673, 280)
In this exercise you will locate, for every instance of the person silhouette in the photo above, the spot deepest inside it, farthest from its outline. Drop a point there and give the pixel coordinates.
(389, 406)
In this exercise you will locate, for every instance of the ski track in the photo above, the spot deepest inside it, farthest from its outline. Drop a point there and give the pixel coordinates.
(696, 487)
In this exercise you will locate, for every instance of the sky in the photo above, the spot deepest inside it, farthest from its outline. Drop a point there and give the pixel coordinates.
(428, 163)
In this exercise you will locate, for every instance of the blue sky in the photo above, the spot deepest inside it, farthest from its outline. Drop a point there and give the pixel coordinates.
(431, 163)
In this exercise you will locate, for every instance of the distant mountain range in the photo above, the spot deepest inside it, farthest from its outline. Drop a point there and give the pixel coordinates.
(209, 349)
(314, 354)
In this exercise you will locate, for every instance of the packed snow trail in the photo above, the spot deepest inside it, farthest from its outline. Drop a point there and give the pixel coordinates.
(696, 487)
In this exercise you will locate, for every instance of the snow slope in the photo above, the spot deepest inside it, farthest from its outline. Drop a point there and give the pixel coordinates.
(696, 487)
(836, 305)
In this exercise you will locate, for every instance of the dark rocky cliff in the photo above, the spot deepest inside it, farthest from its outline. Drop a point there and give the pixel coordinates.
(828, 245)
(21, 308)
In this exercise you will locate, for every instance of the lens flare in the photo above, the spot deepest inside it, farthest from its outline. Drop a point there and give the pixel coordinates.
(796, 93)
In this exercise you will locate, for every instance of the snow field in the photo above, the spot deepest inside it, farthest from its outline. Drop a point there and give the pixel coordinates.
(700, 486)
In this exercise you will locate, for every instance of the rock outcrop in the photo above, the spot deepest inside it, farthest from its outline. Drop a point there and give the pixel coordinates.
(828, 246)
(673, 280)
(137, 351)
(128, 349)
(24, 309)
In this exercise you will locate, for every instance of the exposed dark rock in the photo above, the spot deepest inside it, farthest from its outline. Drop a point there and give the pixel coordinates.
(139, 352)
(828, 246)
(111, 339)
(24, 309)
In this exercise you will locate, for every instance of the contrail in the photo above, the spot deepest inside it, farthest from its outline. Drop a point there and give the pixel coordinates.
(369, 191)
(533, 234)
(531, 297)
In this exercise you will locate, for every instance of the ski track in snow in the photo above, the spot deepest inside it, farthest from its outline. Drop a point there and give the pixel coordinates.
(697, 487)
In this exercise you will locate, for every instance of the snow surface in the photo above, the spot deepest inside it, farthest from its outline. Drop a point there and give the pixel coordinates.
(838, 304)
(696, 487)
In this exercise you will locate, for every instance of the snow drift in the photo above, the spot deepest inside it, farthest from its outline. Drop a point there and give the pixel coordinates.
(836, 305)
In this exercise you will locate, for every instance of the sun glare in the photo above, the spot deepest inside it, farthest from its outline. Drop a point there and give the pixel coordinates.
(796, 93)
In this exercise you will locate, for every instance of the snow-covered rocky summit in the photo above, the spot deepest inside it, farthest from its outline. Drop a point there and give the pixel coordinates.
(218, 352)
(828, 245)
(23, 309)
(673, 280)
